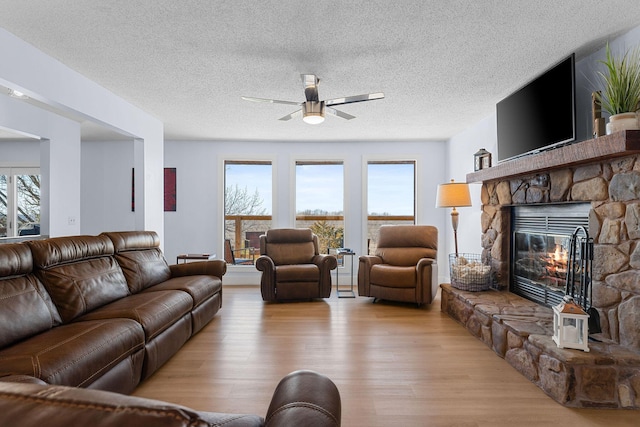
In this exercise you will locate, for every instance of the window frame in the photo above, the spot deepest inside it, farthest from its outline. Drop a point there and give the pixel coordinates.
(316, 218)
(365, 193)
(12, 172)
(251, 252)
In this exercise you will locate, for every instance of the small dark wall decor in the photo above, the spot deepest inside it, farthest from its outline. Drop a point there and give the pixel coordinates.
(169, 189)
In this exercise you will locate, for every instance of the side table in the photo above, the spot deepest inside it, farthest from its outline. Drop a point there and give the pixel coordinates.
(344, 252)
(200, 257)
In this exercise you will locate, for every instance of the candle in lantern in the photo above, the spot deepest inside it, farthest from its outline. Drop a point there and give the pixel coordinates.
(570, 333)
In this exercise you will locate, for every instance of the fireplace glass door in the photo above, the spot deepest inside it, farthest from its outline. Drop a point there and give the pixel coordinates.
(541, 236)
(542, 259)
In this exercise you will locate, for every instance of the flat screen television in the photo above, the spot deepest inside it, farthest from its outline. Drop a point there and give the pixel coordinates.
(539, 116)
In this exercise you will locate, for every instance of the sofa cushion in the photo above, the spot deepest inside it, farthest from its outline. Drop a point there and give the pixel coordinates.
(75, 354)
(405, 256)
(25, 307)
(140, 257)
(81, 287)
(297, 273)
(291, 253)
(199, 287)
(289, 245)
(406, 244)
(393, 276)
(155, 311)
(143, 268)
(80, 273)
(61, 250)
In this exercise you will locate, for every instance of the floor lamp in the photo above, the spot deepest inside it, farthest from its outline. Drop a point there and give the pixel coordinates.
(453, 195)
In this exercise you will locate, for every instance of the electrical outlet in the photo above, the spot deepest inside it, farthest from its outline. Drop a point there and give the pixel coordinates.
(71, 220)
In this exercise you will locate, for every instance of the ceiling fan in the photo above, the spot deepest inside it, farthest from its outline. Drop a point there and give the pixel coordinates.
(313, 110)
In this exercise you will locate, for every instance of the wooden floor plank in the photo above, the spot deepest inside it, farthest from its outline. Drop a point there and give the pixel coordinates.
(394, 364)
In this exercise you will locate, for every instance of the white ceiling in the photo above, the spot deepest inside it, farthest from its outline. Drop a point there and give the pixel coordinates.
(442, 65)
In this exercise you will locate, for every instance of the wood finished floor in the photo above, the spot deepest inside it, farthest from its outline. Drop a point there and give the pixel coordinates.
(394, 364)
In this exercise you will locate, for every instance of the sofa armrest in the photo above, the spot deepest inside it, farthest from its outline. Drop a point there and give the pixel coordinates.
(268, 279)
(25, 379)
(35, 405)
(425, 268)
(305, 398)
(214, 267)
(365, 262)
(325, 263)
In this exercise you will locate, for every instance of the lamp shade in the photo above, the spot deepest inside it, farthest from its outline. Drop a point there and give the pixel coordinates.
(453, 195)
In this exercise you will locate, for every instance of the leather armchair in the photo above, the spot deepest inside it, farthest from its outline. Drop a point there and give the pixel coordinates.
(403, 267)
(292, 268)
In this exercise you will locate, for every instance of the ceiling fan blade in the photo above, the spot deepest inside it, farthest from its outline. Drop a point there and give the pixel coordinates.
(339, 113)
(291, 116)
(310, 82)
(270, 101)
(355, 98)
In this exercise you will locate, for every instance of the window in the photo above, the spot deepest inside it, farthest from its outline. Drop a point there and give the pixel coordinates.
(247, 209)
(320, 200)
(19, 202)
(390, 196)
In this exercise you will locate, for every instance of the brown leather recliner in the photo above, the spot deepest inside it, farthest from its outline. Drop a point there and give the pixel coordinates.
(292, 268)
(403, 266)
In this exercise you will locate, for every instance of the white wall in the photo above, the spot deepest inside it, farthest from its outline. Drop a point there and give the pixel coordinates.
(461, 149)
(58, 159)
(106, 186)
(50, 82)
(20, 153)
(587, 80)
(197, 225)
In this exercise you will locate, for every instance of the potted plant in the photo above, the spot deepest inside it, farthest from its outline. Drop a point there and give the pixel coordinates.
(621, 94)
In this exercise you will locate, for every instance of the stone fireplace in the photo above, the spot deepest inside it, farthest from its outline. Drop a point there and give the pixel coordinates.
(612, 187)
(602, 175)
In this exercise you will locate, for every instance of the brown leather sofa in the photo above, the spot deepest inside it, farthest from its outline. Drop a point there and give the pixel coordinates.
(101, 312)
(302, 398)
(292, 268)
(403, 267)
(105, 312)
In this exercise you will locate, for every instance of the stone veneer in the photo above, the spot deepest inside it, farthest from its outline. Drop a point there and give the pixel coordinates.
(520, 330)
(613, 188)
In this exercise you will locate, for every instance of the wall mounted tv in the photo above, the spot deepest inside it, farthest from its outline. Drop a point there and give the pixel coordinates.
(539, 116)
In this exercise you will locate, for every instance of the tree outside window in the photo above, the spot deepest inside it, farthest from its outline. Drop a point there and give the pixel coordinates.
(247, 209)
(19, 202)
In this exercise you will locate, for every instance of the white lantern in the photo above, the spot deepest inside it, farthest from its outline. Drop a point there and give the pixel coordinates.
(570, 325)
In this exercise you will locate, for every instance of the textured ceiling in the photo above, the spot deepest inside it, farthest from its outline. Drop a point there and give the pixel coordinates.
(442, 65)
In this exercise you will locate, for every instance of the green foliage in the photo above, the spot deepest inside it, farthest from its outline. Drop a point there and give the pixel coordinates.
(621, 81)
(329, 236)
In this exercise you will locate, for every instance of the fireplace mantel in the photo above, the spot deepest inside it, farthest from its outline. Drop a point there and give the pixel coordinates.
(606, 147)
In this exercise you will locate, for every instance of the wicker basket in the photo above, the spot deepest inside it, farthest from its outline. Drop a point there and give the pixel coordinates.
(469, 273)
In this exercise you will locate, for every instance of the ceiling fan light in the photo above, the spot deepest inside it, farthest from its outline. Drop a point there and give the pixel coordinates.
(313, 112)
(17, 94)
(313, 119)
